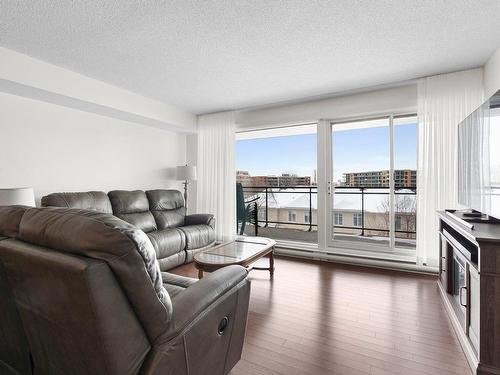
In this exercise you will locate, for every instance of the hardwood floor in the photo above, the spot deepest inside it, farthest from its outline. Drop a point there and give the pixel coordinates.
(323, 318)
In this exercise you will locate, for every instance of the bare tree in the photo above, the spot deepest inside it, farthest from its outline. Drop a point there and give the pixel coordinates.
(405, 208)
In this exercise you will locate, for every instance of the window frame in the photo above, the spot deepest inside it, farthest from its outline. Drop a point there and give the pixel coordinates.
(391, 250)
(357, 219)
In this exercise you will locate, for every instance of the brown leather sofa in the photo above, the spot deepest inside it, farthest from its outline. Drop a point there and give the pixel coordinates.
(92, 300)
(159, 213)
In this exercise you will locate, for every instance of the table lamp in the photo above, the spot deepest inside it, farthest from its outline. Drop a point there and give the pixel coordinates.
(17, 196)
(186, 173)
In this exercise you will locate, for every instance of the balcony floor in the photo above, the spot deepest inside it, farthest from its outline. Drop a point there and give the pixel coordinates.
(285, 234)
(318, 318)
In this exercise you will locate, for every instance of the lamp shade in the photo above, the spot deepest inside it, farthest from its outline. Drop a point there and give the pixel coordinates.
(17, 196)
(186, 173)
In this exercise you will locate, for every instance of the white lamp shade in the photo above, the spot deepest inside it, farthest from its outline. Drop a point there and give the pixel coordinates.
(186, 173)
(17, 196)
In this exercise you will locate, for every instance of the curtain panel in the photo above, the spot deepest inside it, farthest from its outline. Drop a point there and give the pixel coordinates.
(443, 102)
(216, 185)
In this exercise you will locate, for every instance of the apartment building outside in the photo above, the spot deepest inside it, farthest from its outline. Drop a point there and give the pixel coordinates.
(283, 180)
(403, 178)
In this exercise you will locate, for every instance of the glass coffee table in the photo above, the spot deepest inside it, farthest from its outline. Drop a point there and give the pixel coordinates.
(243, 251)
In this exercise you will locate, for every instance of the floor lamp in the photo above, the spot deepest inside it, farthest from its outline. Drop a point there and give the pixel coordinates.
(186, 173)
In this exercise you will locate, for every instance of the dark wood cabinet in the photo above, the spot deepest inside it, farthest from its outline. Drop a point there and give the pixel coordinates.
(469, 282)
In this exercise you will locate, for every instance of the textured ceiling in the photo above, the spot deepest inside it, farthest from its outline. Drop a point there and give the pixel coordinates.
(206, 56)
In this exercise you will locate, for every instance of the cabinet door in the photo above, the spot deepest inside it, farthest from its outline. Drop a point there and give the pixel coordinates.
(473, 303)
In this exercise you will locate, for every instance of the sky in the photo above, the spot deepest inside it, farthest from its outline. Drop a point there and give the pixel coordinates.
(277, 155)
(353, 150)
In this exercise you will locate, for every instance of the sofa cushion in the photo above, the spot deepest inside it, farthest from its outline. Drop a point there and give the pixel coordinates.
(197, 236)
(10, 218)
(167, 207)
(172, 261)
(176, 284)
(88, 200)
(142, 220)
(167, 242)
(163, 199)
(133, 207)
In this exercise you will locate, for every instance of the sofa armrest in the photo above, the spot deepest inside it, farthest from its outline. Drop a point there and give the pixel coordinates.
(197, 298)
(207, 329)
(195, 219)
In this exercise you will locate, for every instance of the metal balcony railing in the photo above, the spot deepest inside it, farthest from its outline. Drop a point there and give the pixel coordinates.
(265, 194)
(375, 190)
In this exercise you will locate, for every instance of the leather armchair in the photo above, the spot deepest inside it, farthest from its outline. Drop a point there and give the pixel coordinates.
(92, 299)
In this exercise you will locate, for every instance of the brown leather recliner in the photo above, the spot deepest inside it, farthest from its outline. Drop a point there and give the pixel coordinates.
(92, 300)
(176, 236)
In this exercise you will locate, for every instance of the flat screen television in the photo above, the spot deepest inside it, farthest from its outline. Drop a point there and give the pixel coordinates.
(479, 159)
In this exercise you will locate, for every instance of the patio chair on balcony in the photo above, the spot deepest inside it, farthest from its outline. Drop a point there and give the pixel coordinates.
(246, 211)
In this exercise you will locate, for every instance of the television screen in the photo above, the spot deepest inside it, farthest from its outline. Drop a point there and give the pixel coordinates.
(479, 159)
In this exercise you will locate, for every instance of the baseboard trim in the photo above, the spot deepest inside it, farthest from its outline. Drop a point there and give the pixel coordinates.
(366, 262)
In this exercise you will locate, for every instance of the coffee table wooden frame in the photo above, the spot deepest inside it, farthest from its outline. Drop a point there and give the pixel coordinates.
(268, 249)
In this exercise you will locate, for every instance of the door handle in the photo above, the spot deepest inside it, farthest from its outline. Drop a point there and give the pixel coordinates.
(329, 188)
(460, 295)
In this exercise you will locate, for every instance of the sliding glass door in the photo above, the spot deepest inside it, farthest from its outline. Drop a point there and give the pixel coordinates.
(372, 184)
(277, 170)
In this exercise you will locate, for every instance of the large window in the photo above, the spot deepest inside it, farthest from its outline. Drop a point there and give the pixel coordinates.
(278, 166)
(374, 180)
(369, 166)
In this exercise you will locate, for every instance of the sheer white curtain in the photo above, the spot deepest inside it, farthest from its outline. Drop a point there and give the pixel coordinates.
(216, 189)
(474, 185)
(443, 102)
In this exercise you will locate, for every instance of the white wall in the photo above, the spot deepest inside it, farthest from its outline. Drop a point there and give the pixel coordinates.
(26, 76)
(402, 99)
(492, 75)
(55, 148)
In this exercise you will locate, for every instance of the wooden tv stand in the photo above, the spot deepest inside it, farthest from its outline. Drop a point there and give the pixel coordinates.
(472, 294)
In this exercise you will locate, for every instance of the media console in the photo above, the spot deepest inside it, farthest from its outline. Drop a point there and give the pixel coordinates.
(469, 282)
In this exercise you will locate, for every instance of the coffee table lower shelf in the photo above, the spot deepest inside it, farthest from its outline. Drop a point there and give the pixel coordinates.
(244, 251)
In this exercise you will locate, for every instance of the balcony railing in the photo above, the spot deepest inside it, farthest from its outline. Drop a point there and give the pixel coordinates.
(267, 200)
(266, 193)
(376, 190)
